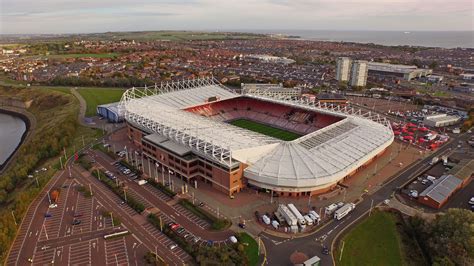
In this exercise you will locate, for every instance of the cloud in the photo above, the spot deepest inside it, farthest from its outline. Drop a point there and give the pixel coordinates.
(65, 16)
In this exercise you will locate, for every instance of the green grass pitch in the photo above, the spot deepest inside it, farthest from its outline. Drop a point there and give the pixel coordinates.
(265, 130)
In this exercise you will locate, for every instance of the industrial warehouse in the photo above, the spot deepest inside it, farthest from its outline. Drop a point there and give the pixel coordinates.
(204, 132)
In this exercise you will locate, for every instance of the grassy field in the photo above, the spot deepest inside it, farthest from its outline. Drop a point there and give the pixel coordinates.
(251, 248)
(379, 240)
(103, 55)
(94, 97)
(172, 35)
(265, 130)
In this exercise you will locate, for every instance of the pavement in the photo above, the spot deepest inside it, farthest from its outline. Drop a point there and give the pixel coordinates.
(153, 198)
(279, 249)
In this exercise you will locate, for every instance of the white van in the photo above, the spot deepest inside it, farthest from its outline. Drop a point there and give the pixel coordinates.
(233, 239)
(275, 224)
(265, 219)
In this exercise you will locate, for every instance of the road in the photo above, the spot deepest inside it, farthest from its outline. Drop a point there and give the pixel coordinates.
(112, 203)
(279, 249)
(148, 194)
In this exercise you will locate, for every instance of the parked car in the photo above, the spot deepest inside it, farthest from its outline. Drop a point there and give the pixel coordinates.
(471, 201)
(47, 215)
(174, 226)
(233, 239)
(325, 250)
(172, 246)
(76, 222)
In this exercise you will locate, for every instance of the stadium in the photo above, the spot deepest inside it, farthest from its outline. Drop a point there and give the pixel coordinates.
(202, 131)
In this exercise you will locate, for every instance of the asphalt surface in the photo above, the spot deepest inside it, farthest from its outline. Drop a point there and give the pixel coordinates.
(149, 196)
(279, 249)
(37, 232)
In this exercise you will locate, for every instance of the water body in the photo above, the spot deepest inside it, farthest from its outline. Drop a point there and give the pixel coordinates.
(12, 130)
(444, 39)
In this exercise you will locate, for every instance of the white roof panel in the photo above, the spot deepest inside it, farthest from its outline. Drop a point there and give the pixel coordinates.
(314, 159)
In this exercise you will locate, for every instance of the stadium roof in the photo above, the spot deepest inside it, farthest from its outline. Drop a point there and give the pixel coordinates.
(162, 114)
(329, 153)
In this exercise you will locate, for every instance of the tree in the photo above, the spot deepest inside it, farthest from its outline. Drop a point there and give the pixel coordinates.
(433, 64)
(449, 238)
(416, 62)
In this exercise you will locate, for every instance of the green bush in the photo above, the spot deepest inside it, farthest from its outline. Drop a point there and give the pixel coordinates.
(132, 202)
(216, 223)
(204, 255)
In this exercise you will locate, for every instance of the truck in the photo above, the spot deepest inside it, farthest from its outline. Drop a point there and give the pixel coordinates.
(308, 219)
(299, 217)
(287, 215)
(315, 216)
(294, 229)
(142, 182)
(445, 160)
(54, 195)
(330, 209)
(343, 211)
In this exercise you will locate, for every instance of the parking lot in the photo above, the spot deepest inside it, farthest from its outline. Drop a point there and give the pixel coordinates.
(54, 217)
(70, 230)
(192, 217)
(116, 252)
(80, 253)
(163, 241)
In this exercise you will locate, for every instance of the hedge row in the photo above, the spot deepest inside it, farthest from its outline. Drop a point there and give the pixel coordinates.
(216, 223)
(132, 202)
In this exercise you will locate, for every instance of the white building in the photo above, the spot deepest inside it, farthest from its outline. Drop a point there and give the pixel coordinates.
(343, 68)
(403, 71)
(435, 78)
(271, 58)
(441, 120)
(467, 76)
(359, 72)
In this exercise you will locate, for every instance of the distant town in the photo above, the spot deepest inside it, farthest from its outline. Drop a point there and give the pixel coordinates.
(427, 72)
(196, 148)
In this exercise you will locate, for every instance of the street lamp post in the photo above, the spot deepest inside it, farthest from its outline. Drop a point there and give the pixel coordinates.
(14, 219)
(371, 206)
(112, 219)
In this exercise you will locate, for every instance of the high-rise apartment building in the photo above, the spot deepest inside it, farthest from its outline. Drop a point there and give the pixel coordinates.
(343, 68)
(359, 72)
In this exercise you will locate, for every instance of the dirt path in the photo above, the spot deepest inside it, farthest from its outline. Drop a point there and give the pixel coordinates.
(82, 108)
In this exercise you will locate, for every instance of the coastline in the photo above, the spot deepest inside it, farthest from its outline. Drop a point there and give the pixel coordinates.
(26, 117)
(421, 39)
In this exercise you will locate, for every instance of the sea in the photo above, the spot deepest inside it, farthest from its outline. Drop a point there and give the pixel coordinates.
(444, 39)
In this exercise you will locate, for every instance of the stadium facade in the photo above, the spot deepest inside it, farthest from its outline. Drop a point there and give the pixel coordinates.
(184, 127)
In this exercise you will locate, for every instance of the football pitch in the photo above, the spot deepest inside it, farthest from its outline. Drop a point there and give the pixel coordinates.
(265, 130)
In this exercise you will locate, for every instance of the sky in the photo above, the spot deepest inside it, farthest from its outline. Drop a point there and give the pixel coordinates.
(85, 16)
